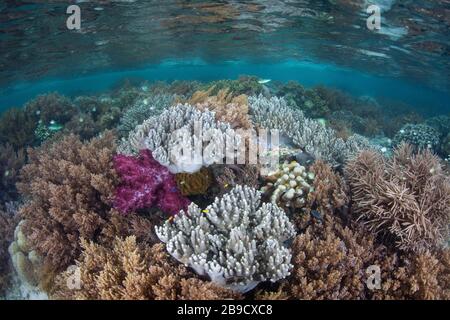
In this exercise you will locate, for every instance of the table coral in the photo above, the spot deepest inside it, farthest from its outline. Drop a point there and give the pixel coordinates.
(236, 241)
(145, 183)
(406, 198)
(133, 271)
(69, 186)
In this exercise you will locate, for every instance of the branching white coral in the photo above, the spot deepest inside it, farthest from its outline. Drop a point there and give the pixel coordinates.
(183, 139)
(310, 135)
(236, 241)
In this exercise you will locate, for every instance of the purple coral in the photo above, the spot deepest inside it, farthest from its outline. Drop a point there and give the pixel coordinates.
(145, 183)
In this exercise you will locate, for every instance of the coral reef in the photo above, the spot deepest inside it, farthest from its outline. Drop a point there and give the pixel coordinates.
(10, 164)
(176, 137)
(421, 136)
(194, 183)
(69, 186)
(143, 109)
(406, 198)
(145, 184)
(236, 241)
(132, 271)
(310, 135)
(289, 186)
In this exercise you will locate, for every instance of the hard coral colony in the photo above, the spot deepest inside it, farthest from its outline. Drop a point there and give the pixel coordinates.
(136, 222)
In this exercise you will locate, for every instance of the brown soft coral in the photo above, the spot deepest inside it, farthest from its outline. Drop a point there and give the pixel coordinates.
(330, 190)
(134, 271)
(69, 186)
(330, 262)
(422, 276)
(406, 198)
(227, 107)
(10, 164)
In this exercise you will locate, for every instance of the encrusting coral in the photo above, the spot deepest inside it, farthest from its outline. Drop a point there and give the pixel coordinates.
(146, 184)
(129, 270)
(406, 198)
(236, 241)
(289, 185)
(69, 186)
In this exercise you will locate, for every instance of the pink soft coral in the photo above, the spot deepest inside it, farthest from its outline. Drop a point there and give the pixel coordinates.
(145, 183)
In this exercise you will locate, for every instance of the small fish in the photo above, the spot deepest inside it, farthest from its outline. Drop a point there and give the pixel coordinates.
(264, 81)
(55, 127)
(226, 185)
(316, 214)
(205, 211)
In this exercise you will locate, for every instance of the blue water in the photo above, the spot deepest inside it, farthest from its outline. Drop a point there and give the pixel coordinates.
(422, 98)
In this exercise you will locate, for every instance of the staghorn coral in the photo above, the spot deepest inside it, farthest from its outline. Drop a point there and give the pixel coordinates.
(10, 164)
(143, 109)
(310, 135)
(133, 271)
(194, 183)
(406, 198)
(69, 187)
(176, 139)
(420, 136)
(144, 184)
(236, 241)
(289, 186)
